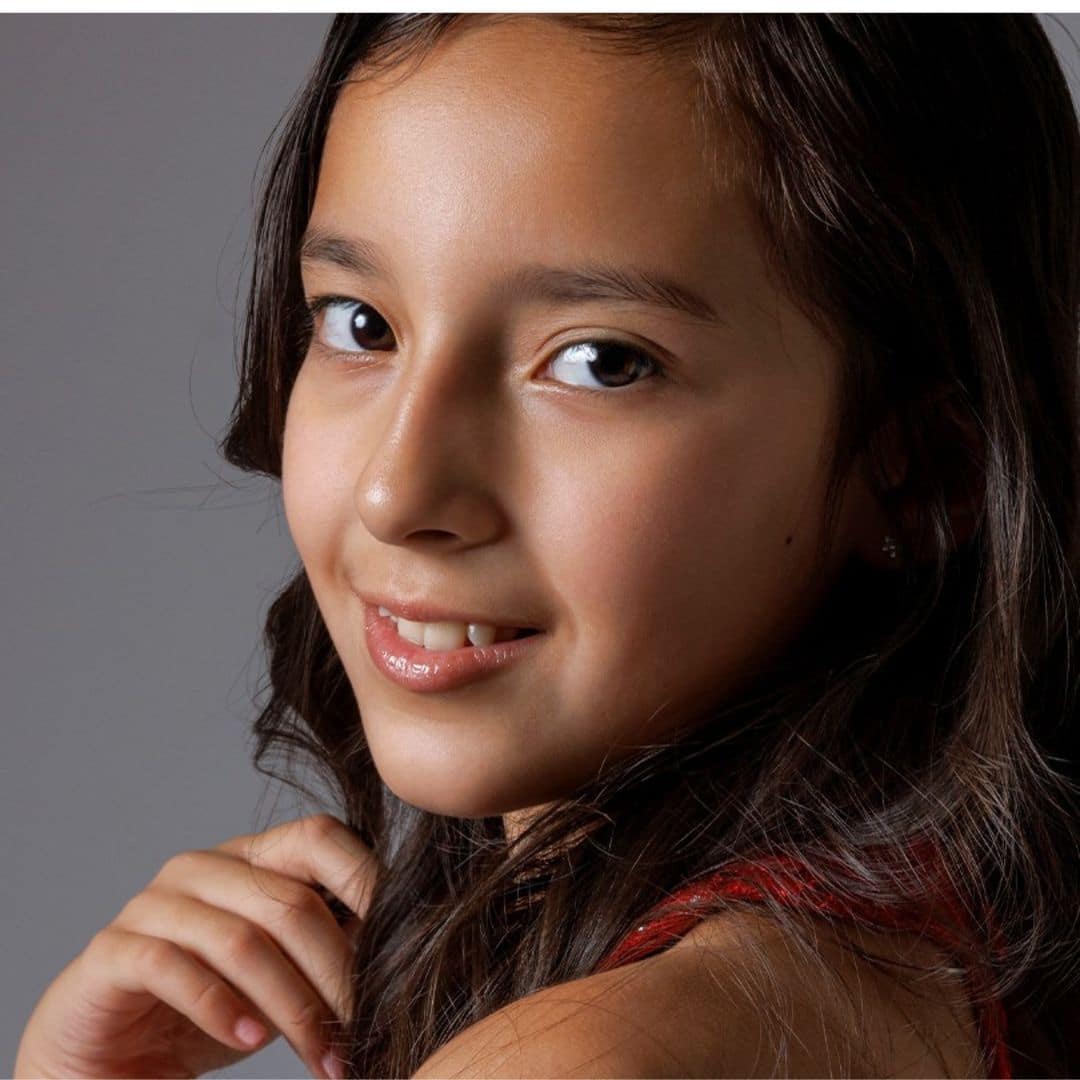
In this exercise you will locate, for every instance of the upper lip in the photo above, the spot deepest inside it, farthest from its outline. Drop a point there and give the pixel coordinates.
(425, 611)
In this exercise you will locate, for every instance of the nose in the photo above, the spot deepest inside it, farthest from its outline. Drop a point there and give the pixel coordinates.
(432, 470)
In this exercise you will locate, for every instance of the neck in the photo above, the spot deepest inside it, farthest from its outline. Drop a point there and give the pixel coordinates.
(517, 821)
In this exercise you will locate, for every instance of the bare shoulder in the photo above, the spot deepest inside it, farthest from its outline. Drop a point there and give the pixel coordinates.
(872, 1019)
(611, 1024)
(714, 1005)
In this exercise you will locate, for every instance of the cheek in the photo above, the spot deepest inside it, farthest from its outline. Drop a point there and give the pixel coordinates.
(314, 482)
(671, 549)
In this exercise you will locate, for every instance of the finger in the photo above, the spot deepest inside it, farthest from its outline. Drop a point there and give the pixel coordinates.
(139, 964)
(291, 913)
(318, 849)
(244, 954)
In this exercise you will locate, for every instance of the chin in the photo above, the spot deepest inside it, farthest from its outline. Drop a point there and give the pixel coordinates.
(452, 794)
(443, 787)
(459, 803)
(446, 771)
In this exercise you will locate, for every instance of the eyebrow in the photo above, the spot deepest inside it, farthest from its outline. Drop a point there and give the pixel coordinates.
(593, 281)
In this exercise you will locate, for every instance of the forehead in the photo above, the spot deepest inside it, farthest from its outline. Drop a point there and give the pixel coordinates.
(523, 134)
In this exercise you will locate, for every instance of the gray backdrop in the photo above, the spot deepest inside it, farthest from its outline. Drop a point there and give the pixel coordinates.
(137, 566)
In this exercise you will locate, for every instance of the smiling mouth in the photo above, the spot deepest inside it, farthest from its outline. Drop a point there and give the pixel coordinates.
(448, 661)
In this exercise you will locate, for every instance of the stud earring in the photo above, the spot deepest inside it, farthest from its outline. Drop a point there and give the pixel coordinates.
(889, 547)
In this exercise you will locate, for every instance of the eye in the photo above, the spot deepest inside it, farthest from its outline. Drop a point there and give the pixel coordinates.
(348, 326)
(611, 363)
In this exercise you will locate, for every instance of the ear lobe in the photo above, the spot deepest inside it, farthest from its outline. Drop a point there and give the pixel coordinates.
(952, 441)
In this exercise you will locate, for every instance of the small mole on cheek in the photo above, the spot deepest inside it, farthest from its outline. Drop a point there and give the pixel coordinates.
(789, 539)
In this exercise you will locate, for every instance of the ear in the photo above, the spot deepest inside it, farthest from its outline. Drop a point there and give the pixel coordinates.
(953, 442)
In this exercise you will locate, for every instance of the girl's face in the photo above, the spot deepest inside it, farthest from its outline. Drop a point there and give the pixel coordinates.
(655, 511)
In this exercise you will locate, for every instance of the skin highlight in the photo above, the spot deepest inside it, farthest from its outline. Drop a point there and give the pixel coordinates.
(663, 531)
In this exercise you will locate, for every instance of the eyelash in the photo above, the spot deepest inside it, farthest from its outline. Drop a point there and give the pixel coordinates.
(319, 303)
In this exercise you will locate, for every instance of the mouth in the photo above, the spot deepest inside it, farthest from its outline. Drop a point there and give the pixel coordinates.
(429, 667)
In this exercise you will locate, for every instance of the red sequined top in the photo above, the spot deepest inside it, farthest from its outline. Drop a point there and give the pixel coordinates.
(792, 883)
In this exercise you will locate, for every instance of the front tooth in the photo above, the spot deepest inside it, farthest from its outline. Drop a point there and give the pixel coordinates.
(448, 635)
(442, 635)
(411, 631)
(481, 633)
(383, 610)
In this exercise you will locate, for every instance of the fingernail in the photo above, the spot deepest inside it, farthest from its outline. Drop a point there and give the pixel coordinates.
(249, 1031)
(332, 1067)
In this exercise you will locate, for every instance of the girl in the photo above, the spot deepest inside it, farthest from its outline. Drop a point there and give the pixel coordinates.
(706, 713)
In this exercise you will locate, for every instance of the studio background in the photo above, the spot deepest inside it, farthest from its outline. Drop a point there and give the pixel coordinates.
(138, 566)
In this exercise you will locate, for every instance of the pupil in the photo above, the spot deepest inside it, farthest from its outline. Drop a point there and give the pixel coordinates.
(366, 322)
(604, 365)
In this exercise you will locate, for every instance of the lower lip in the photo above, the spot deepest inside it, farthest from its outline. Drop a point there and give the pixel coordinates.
(431, 670)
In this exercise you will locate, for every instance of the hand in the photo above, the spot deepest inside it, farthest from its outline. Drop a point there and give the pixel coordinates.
(237, 931)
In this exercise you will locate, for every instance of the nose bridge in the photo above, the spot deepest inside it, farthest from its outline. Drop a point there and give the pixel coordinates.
(428, 466)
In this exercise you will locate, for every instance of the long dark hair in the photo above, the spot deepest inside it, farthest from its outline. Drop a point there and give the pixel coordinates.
(915, 180)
